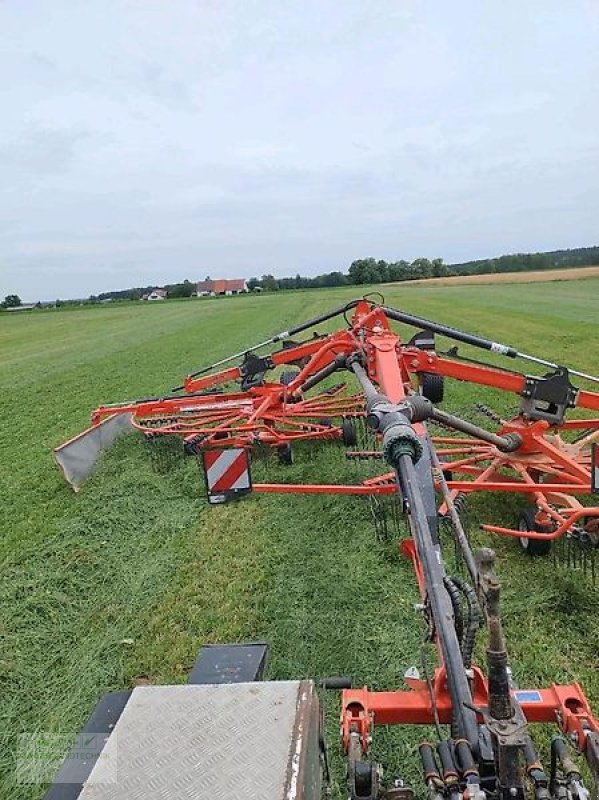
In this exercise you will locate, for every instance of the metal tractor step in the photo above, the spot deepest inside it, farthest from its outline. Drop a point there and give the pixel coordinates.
(233, 741)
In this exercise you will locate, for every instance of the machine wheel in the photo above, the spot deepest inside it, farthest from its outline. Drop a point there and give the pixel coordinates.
(285, 454)
(363, 781)
(432, 386)
(348, 432)
(534, 547)
(288, 376)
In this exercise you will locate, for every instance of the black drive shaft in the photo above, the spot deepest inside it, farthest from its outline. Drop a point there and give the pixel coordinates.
(401, 448)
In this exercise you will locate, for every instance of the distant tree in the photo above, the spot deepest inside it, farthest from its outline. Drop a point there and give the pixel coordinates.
(399, 271)
(421, 268)
(12, 301)
(253, 283)
(185, 289)
(335, 279)
(519, 262)
(188, 288)
(287, 283)
(365, 270)
(383, 271)
(269, 283)
(439, 268)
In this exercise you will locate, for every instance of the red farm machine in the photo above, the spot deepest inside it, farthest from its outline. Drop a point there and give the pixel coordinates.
(546, 453)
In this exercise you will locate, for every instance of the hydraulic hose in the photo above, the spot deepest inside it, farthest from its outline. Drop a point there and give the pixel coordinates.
(458, 529)
(473, 622)
(456, 604)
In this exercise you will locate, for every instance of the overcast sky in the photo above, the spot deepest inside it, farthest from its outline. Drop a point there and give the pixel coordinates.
(146, 142)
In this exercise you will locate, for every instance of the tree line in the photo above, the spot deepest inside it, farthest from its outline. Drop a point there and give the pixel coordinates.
(361, 271)
(525, 262)
(370, 271)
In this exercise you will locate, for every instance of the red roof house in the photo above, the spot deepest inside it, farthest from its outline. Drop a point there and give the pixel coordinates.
(221, 286)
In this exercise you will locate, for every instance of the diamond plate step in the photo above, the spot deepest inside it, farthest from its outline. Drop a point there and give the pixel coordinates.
(244, 741)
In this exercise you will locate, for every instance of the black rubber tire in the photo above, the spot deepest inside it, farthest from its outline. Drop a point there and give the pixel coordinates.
(364, 780)
(432, 387)
(526, 522)
(349, 436)
(285, 454)
(288, 376)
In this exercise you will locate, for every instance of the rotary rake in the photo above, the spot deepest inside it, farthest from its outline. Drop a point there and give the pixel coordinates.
(482, 719)
(538, 454)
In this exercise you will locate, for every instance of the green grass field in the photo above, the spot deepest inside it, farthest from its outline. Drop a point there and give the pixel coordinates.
(123, 582)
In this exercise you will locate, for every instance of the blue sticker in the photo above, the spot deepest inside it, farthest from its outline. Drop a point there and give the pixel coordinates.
(528, 696)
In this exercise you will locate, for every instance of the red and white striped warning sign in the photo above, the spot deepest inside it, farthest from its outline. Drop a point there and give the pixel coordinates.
(227, 473)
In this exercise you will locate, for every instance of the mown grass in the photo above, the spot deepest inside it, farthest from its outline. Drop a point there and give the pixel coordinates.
(123, 582)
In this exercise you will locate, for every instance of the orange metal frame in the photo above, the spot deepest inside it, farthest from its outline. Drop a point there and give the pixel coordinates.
(362, 709)
(545, 467)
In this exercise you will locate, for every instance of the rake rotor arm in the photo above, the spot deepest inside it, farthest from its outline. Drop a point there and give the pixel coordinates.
(476, 341)
(420, 361)
(335, 365)
(277, 359)
(279, 337)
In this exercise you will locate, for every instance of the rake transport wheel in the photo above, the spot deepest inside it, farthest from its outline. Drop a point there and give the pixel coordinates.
(349, 436)
(285, 454)
(432, 386)
(527, 522)
(288, 376)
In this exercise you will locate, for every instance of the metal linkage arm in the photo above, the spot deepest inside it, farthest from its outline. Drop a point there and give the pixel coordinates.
(279, 337)
(417, 408)
(507, 443)
(451, 333)
(425, 361)
(279, 358)
(473, 339)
